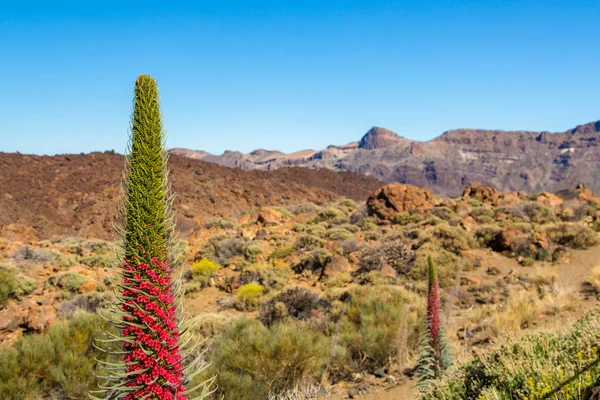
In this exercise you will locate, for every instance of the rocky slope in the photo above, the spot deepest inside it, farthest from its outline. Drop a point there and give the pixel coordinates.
(517, 160)
(43, 196)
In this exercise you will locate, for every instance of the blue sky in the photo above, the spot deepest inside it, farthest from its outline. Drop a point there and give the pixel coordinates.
(290, 75)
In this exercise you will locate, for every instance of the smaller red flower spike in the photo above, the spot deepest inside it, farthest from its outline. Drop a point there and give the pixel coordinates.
(155, 350)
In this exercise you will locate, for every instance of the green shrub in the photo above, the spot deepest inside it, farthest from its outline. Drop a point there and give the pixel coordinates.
(71, 281)
(445, 213)
(313, 261)
(252, 251)
(98, 260)
(282, 252)
(369, 326)
(309, 242)
(529, 366)
(222, 223)
(202, 270)
(572, 234)
(398, 254)
(448, 263)
(451, 238)
(60, 362)
(298, 228)
(14, 285)
(339, 234)
(285, 213)
(405, 218)
(333, 215)
(317, 230)
(248, 296)
(272, 277)
(252, 361)
(486, 234)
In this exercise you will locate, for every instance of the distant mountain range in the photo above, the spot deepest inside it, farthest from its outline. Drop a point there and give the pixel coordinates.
(507, 160)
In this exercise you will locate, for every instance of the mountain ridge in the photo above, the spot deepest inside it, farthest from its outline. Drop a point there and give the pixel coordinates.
(506, 160)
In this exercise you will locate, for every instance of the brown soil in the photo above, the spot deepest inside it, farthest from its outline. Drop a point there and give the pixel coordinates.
(45, 196)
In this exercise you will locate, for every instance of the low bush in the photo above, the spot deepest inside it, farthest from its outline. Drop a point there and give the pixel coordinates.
(202, 270)
(530, 366)
(252, 361)
(448, 264)
(282, 252)
(313, 261)
(272, 277)
(451, 238)
(61, 362)
(70, 281)
(297, 303)
(339, 234)
(309, 242)
(247, 297)
(367, 331)
(398, 254)
(32, 254)
(252, 252)
(14, 285)
(222, 223)
(333, 215)
(405, 218)
(572, 234)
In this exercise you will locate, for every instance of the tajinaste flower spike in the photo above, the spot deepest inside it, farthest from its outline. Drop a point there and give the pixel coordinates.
(434, 357)
(152, 351)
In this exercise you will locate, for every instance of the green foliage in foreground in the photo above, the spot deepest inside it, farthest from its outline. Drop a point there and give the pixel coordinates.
(58, 364)
(251, 361)
(557, 366)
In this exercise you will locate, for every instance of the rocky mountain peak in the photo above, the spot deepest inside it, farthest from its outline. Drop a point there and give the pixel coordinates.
(377, 138)
(591, 127)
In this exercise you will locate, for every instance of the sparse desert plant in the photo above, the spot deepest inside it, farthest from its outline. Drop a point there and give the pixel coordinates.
(314, 261)
(309, 242)
(61, 361)
(272, 277)
(297, 303)
(398, 254)
(222, 223)
(450, 238)
(367, 327)
(71, 281)
(202, 270)
(535, 366)
(252, 361)
(333, 215)
(247, 297)
(405, 218)
(152, 338)
(32, 254)
(282, 252)
(434, 354)
(339, 234)
(572, 234)
(252, 251)
(298, 228)
(14, 285)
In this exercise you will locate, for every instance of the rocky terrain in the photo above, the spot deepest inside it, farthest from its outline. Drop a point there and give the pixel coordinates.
(42, 196)
(336, 285)
(508, 161)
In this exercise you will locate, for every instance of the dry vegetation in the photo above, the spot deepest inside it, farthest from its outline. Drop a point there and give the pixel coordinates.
(306, 297)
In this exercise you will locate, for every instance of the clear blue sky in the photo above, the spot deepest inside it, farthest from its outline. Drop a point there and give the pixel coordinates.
(290, 75)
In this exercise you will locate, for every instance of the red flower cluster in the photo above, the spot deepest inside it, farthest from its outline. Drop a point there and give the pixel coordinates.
(433, 316)
(154, 350)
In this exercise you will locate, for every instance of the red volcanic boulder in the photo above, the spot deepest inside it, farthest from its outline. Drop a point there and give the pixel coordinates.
(389, 200)
(483, 193)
